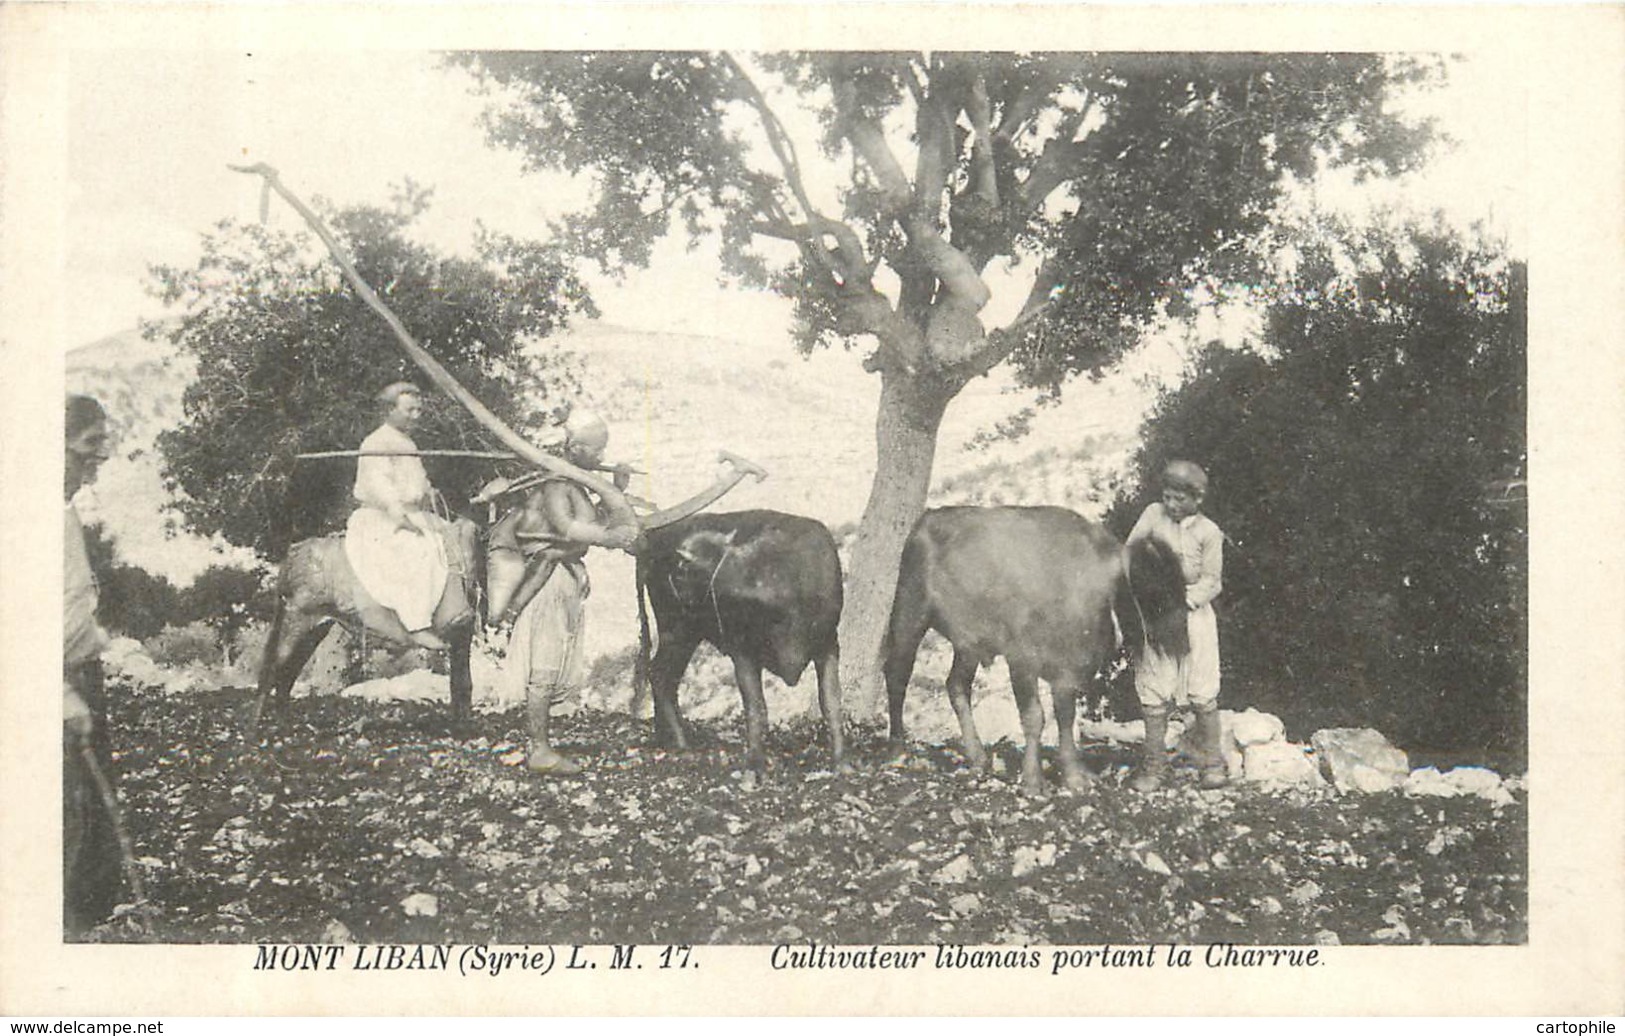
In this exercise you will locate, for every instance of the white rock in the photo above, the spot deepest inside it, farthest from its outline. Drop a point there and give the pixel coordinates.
(1254, 728)
(1279, 763)
(956, 872)
(337, 932)
(1463, 780)
(1029, 859)
(1132, 732)
(421, 904)
(1360, 759)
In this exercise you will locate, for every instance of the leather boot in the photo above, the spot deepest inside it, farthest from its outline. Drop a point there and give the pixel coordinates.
(1209, 737)
(541, 758)
(1154, 764)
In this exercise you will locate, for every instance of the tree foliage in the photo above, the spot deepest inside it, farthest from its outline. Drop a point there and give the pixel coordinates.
(289, 360)
(132, 602)
(1369, 473)
(1113, 185)
(1132, 177)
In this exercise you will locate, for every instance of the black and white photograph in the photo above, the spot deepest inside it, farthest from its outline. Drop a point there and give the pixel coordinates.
(567, 512)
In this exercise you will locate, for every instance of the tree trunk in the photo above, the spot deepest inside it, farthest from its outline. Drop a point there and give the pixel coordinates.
(906, 443)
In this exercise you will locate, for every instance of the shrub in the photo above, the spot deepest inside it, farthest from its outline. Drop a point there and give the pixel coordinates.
(192, 644)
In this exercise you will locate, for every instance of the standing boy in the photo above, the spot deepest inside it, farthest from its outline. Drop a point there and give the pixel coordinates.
(1164, 680)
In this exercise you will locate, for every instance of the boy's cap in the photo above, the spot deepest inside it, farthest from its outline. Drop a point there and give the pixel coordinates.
(1182, 474)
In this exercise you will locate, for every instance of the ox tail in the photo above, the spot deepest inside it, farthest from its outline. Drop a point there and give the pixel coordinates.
(1130, 623)
(640, 668)
(268, 656)
(1156, 587)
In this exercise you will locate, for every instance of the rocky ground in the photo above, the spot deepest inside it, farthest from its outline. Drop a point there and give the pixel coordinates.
(377, 821)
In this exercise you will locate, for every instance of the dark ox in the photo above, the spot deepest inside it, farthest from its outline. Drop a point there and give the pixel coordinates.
(765, 589)
(1038, 585)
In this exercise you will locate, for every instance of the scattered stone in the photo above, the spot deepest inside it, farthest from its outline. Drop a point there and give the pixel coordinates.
(1279, 763)
(424, 848)
(337, 932)
(1397, 930)
(1154, 863)
(1253, 727)
(965, 905)
(1463, 780)
(421, 904)
(555, 897)
(1360, 759)
(1305, 894)
(1327, 937)
(1132, 732)
(956, 872)
(1029, 859)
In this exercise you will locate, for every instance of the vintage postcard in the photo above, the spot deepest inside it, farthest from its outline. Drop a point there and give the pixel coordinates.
(918, 509)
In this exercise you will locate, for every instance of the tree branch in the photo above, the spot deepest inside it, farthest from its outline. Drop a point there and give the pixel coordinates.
(784, 149)
(1053, 167)
(979, 109)
(948, 264)
(933, 123)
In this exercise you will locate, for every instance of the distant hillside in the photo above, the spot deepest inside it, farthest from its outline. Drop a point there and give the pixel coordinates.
(672, 401)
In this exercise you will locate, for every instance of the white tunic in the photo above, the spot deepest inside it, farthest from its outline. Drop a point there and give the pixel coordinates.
(401, 568)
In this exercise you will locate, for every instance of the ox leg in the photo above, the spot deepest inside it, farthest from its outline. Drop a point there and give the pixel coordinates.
(959, 685)
(462, 679)
(748, 674)
(902, 644)
(829, 700)
(665, 673)
(1064, 693)
(1025, 683)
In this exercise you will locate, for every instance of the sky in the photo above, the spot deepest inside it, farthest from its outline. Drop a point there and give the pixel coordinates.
(150, 135)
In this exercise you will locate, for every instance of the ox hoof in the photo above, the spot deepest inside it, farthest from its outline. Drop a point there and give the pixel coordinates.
(1077, 783)
(1033, 789)
(551, 764)
(1146, 781)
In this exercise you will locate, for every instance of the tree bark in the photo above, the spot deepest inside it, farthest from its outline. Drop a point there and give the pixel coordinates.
(910, 415)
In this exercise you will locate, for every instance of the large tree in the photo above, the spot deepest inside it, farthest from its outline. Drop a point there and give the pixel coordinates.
(289, 359)
(1112, 184)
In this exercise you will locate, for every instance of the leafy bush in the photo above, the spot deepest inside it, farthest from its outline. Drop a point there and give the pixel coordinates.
(133, 602)
(192, 644)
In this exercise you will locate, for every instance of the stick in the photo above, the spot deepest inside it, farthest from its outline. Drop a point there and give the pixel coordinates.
(475, 454)
(614, 469)
(126, 847)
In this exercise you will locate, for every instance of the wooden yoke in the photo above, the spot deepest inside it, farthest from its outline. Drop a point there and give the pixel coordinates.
(619, 509)
(706, 497)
